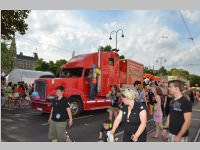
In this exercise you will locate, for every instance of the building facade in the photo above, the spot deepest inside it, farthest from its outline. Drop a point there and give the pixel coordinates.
(26, 62)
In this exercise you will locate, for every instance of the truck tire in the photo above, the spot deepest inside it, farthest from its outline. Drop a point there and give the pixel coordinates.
(76, 106)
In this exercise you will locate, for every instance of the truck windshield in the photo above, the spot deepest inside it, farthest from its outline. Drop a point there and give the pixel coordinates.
(71, 72)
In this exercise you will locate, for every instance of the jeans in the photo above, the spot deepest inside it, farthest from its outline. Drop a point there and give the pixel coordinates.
(92, 92)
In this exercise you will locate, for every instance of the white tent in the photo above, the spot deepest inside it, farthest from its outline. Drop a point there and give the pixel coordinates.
(28, 76)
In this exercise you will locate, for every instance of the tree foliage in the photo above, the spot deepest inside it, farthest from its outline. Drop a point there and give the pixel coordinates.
(162, 72)
(122, 57)
(107, 48)
(194, 79)
(41, 65)
(13, 21)
(149, 71)
(8, 56)
(180, 73)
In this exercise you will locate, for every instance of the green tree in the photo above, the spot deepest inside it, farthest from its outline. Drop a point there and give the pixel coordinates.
(13, 21)
(41, 65)
(58, 64)
(12, 53)
(8, 56)
(162, 71)
(5, 67)
(194, 79)
(179, 73)
(52, 67)
(122, 57)
(107, 48)
(149, 71)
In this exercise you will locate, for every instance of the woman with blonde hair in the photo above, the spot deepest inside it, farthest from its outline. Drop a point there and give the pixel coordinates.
(134, 116)
(158, 114)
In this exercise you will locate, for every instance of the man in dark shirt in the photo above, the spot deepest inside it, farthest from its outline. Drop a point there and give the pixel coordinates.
(180, 114)
(58, 116)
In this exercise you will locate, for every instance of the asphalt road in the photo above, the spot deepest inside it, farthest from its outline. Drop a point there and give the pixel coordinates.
(27, 125)
(30, 126)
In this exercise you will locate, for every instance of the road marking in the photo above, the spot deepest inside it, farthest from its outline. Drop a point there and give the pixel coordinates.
(196, 109)
(45, 124)
(196, 119)
(197, 136)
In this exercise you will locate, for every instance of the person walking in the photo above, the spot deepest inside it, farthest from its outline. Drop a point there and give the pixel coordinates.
(140, 96)
(158, 114)
(180, 115)
(134, 116)
(58, 117)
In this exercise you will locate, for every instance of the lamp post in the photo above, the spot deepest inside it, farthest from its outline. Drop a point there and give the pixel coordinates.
(116, 50)
(161, 60)
(114, 31)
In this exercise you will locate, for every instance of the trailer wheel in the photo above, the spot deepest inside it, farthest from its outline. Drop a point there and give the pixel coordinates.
(76, 106)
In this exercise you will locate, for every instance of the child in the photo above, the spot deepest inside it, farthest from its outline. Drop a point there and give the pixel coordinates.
(107, 126)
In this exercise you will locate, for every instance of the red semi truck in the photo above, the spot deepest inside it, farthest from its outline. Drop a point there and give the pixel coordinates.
(74, 79)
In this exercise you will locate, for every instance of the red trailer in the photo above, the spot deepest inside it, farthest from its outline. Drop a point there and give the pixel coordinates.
(74, 79)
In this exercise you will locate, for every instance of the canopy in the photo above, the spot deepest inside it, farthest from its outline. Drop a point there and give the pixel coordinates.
(150, 76)
(28, 76)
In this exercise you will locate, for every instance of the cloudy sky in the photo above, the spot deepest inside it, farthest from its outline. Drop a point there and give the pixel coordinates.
(151, 37)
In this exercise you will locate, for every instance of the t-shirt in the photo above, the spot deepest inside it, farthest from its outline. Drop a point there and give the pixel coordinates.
(114, 100)
(59, 110)
(104, 132)
(132, 123)
(177, 110)
(141, 96)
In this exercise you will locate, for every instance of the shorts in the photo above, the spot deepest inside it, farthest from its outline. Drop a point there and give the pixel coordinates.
(172, 136)
(113, 109)
(57, 131)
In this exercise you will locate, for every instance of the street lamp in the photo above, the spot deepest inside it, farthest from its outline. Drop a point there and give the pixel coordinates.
(161, 60)
(116, 50)
(110, 38)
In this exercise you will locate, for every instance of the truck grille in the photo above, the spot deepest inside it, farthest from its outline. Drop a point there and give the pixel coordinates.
(41, 89)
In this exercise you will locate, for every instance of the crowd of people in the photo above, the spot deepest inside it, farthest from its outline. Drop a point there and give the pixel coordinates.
(129, 105)
(15, 95)
(132, 105)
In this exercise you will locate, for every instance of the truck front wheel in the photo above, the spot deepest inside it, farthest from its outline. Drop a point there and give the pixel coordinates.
(75, 106)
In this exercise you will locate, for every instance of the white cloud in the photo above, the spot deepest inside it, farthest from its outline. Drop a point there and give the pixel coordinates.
(192, 16)
(56, 34)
